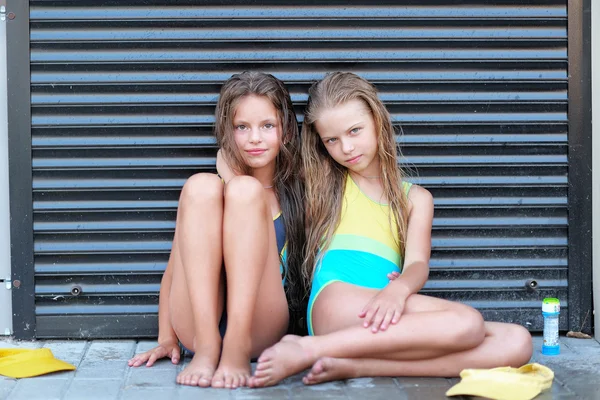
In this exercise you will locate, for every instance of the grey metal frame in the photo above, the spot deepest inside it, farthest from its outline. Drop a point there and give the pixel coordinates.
(5, 280)
(596, 161)
(20, 179)
(580, 166)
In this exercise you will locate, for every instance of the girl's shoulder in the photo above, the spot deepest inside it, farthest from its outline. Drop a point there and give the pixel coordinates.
(417, 195)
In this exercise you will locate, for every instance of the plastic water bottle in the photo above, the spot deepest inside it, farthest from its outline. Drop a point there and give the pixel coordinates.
(551, 311)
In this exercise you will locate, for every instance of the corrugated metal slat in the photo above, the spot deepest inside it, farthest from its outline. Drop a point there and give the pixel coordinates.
(122, 112)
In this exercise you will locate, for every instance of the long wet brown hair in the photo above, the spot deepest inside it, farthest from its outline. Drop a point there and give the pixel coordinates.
(287, 181)
(325, 179)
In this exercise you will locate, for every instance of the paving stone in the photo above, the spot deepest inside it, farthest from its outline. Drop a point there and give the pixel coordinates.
(373, 388)
(425, 392)
(367, 383)
(453, 381)
(377, 394)
(575, 343)
(413, 381)
(42, 389)
(56, 375)
(591, 391)
(71, 351)
(293, 380)
(195, 393)
(93, 389)
(150, 377)
(98, 369)
(6, 386)
(556, 392)
(137, 393)
(9, 343)
(565, 351)
(329, 390)
(110, 350)
(577, 375)
(275, 392)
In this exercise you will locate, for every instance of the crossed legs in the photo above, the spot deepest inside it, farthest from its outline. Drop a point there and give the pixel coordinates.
(434, 337)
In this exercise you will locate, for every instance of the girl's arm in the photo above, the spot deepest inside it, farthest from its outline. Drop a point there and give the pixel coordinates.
(166, 334)
(223, 168)
(418, 242)
(387, 306)
(168, 343)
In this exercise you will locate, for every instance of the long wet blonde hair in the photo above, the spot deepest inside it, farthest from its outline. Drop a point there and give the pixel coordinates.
(325, 179)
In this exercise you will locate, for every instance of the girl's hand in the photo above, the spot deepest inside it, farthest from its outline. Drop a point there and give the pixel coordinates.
(169, 349)
(393, 275)
(384, 309)
(223, 168)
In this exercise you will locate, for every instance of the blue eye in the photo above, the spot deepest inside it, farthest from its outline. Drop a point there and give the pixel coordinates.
(240, 127)
(331, 141)
(354, 131)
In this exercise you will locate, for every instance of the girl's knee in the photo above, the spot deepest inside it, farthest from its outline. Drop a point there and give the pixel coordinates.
(470, 330)
(201, 188)
(521, 346)
(244, 189)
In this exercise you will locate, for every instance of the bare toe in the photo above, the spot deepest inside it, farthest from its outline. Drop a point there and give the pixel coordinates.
(329, 369)
(218, 380)
(284, 359)
(198, 372)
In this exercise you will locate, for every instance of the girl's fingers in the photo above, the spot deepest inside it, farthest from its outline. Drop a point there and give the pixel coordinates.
(396, 317)
(152, 360)
(140, 359)
(387, 319)
(175, 354)
(379, 317)
(370, 315)
(364, 311)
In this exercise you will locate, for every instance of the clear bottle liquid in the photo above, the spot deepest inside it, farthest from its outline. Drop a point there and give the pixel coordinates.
(551, 312)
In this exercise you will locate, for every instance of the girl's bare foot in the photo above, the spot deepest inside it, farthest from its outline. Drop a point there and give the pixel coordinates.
(200, 371)
(328, 369)
(286, 358)
(234, 368)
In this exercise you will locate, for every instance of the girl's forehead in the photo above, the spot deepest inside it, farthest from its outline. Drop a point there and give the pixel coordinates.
(253, 105)
(346, 111)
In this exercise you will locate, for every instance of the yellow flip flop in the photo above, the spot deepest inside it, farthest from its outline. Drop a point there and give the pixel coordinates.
(25, 363)
(504, 383)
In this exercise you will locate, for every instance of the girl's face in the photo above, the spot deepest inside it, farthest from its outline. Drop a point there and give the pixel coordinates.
(348, 133)
(257, 131)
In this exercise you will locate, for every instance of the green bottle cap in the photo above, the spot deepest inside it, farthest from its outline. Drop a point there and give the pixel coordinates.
(551, 305)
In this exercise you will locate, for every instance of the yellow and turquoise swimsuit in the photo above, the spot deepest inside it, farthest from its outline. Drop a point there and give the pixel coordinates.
(364, 247)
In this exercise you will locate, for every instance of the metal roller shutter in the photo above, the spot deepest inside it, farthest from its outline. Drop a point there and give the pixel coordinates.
(122, 102)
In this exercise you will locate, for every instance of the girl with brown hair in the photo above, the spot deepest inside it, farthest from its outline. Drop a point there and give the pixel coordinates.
(238, 236)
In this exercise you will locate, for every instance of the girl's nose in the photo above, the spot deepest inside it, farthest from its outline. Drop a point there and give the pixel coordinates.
(347, 146)
(255, 136)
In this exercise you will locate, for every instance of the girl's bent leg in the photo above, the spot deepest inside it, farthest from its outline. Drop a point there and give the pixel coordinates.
(196, 297)
(504, 345)
(428, 328)
(256, 305)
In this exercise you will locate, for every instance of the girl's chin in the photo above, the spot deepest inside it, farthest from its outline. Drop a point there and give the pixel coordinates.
(256, 164)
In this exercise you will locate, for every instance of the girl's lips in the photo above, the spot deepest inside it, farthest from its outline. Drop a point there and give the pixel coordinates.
(354, 160)
(256, 152)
